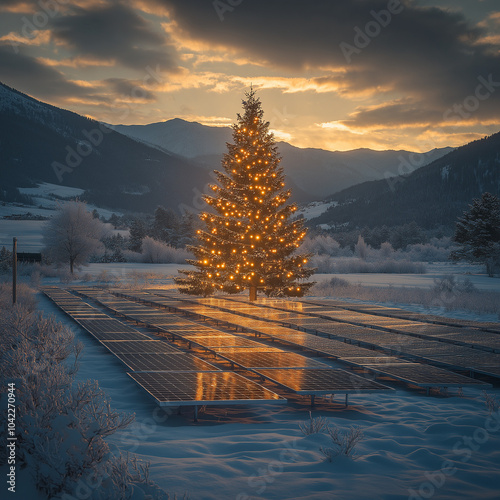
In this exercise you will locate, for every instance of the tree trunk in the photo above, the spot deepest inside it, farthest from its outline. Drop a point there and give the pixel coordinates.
(253, 293)
(71, 262)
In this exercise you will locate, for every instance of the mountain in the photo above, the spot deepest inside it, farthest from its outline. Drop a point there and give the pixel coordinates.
(41, 143)
(315, 173)
(188, 139)
(432, 196)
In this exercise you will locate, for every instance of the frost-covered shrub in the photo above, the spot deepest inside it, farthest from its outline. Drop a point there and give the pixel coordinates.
(131, 256)
(321, 245)
(361, 249)
(426, 253)
(314, 425)
(324, 264)
(157, 252)
(61, 426)
(343, 442)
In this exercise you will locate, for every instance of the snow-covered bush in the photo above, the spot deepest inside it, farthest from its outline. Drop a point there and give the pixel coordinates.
(314, 425)
(321, 245)
(492, 402)
(343, 442)
(157, 252)
(61, 426)
(361, 249)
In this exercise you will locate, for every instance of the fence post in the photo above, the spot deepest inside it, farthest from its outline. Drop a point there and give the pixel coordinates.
(14, 271)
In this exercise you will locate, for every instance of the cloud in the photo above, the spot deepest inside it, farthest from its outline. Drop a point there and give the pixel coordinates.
(29, 75)
(429, 56)
(115, 32)
(133, 90)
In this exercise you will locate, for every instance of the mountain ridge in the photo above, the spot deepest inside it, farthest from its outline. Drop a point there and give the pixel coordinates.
(316, 171)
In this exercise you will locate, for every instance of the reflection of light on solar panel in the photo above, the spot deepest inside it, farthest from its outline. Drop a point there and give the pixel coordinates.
(198, 388)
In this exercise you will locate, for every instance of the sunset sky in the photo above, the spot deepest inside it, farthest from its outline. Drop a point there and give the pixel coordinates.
(336, 75)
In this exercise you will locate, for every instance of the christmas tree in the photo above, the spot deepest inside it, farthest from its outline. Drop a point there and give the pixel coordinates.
(251, 238)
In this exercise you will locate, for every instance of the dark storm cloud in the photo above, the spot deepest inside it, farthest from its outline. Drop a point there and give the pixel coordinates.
(430, 56)
(33, 77)
(130, 88)
(115, 32)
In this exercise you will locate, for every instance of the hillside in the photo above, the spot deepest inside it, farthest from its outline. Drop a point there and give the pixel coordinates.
(431, 196)
(117, 172)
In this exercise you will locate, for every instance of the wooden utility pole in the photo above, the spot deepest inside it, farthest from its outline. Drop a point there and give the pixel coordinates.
(14, 271)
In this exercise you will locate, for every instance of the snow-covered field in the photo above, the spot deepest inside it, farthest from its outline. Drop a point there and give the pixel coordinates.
(414, 446)
(28, 233)
(474, 273)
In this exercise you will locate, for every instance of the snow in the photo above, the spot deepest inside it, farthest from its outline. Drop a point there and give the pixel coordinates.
(315, 209)
(45, 189)
(413, 443)
(475, 273)
(28, 233)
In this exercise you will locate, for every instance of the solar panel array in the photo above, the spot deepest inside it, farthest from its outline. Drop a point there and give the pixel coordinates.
(432, 339)
(268, 323)
(168, 374)
(376, 341)
(238, 350)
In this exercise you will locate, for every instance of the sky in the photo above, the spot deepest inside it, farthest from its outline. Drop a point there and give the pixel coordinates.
(337, 75)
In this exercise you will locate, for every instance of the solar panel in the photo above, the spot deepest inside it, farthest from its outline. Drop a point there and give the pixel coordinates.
(165, 362)
(189, 388)
(109, 325)
(322, 381)
(119, 336)
(367, 361)
(140, 347)
(222, 341)
(468, 358)
(425, 375)
(272, 360)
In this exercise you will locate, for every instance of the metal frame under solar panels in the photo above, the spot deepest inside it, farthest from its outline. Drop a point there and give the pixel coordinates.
(185, 334)
(492, 371)
(203, 388)
(317, 382)
(424, 375)
(159, 362)
(232, 350)
(139, 347)
(272, 360)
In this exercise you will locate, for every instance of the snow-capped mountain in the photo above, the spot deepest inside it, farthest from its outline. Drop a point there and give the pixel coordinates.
(316, 172)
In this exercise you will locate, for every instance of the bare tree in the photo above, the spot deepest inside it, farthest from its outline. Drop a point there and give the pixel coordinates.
(73, 234)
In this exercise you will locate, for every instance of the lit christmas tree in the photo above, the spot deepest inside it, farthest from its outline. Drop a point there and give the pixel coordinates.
(250, 241)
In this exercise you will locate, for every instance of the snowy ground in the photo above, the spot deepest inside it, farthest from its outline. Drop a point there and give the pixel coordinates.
(476, 274)
(414, 446)
(28, 233)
